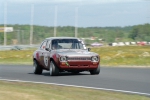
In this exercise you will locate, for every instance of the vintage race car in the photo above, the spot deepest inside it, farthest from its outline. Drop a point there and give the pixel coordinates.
(65, 54)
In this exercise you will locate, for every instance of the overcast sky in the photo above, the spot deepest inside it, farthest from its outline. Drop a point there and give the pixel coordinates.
(91, 13)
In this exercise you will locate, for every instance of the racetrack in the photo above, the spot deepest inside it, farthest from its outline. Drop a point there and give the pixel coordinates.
(125, 79)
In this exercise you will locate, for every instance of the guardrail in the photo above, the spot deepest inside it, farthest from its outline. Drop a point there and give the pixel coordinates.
(18, 47)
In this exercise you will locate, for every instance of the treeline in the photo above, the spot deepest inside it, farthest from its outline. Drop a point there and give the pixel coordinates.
(140, 32)
(21, 33)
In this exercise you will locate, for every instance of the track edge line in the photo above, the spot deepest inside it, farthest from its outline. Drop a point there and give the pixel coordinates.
(57, 84)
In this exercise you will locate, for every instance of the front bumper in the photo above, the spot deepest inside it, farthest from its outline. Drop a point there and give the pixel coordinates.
(78, 65)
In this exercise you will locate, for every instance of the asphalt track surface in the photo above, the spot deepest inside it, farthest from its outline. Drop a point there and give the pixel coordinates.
(124, 79)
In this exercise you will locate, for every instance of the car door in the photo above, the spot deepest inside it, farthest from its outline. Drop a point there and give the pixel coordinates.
(46, 55)
(42, 50)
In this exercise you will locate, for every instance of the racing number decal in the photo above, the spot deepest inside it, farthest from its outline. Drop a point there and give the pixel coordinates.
(46, 60)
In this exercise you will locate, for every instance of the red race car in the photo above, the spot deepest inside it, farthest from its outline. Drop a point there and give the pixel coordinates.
(65, 54)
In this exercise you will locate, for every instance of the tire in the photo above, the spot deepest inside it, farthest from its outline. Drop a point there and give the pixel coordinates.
(95, 71)
(53, 69)
(37, 68)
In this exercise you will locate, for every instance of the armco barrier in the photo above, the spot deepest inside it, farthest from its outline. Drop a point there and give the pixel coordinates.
(17, 47)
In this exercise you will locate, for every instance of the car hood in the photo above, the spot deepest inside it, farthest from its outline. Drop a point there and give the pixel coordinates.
(75, 53)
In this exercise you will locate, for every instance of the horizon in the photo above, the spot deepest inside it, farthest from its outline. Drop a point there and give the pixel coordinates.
(1, 25)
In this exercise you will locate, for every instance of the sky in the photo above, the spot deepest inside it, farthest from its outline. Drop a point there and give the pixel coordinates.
(80, 13)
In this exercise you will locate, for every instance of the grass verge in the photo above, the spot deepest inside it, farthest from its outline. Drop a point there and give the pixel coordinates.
(124, 56)
(30, 91)
(110, 56)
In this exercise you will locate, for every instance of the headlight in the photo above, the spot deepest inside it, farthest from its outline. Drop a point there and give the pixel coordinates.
(63, 59)
(94, 59)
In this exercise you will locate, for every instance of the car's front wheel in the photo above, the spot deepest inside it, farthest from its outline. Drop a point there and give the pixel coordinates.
(95, 71)
(36, 68)
(53, 70)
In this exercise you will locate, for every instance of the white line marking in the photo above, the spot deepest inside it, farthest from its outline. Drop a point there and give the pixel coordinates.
(123, 91)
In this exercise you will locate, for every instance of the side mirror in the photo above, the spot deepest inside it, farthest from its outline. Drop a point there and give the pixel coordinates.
(89, 49)
(47, 49)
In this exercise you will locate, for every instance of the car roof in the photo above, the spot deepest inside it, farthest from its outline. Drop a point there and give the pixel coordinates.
(51, 38)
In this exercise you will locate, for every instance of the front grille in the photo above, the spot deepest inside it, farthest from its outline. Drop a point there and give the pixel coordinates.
(79, 58)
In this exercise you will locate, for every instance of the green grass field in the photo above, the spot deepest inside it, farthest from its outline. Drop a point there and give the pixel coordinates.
(110, 56)
(30, 91)
(124, 56)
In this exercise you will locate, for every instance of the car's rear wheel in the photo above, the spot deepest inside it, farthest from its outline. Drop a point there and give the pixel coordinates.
(36, 68)
(95, 71)
(53, 70)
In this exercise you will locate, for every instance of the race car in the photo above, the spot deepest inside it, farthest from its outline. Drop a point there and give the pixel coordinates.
(65, 54)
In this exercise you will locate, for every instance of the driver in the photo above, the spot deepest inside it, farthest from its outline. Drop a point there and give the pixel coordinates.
(54, 45)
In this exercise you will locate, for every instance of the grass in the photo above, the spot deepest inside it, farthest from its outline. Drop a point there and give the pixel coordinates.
(30, 91)
(110, 56)
(124, 56)
(16, 57)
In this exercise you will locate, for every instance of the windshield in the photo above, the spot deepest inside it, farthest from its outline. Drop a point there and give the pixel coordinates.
(66, 44)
